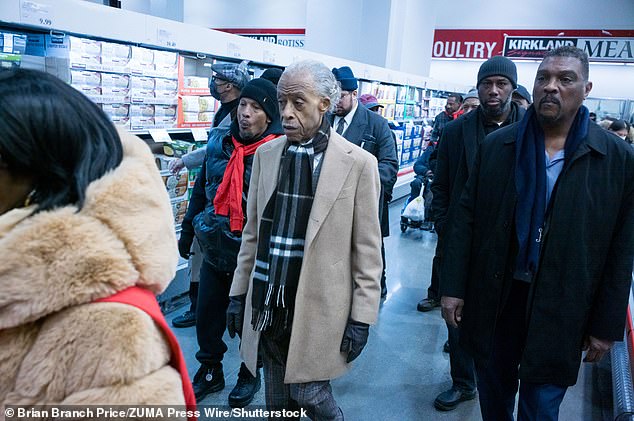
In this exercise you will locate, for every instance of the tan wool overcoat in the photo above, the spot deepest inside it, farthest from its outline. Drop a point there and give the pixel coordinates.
(341, 268)
(56, 346)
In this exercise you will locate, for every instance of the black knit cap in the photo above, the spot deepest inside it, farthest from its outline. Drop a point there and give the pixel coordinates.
(272, 74)
(264, 92)
(498, 66)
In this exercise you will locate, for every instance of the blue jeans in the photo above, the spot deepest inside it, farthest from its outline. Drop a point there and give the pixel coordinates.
(498, 379)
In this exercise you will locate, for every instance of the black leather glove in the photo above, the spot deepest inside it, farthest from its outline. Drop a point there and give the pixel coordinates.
(354, 339)
(235, 315)
(185, 244)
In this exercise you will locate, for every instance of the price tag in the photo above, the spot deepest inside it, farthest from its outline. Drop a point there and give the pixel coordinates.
(36, 13)
(268, 56)
(233, 50)
(160, 135)
(200, 134)
(165, 38)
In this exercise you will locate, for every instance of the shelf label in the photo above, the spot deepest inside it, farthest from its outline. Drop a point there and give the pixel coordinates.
(200, 134)
(36, 13)
(160, 135)
(268, 56)
(233, 50)
(165, 38)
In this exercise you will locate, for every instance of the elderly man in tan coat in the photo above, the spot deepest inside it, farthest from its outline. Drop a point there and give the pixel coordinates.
(307, 284)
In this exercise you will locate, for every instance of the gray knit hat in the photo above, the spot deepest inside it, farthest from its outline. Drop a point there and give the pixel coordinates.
(498, 66)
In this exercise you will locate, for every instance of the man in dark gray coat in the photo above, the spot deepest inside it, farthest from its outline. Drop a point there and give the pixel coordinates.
(497, 78)
(538, 261)
(370, 131)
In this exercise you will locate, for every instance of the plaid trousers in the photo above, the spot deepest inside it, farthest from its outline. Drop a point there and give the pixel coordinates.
(315, 397)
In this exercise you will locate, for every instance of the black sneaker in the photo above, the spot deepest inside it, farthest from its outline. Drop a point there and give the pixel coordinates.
(245, 389)
(427, 304)
(187, 319)
(208, 380)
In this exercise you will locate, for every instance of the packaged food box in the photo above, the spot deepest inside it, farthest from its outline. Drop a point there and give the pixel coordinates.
(142, 83)
(82, 77)
(122, 122)
(176, 185)
(165, 58)
(168, 97)
(206, 103)
(165, 111)
(141, 123)
(116, 110)
(141, 93)
(161, 84)
(196, 82)
(164, 122)
(115, 80)
(83, 59)
(88, 90)
(179, 209)
(142, 55)
(190, 104)
(85, 46)
(114, 50)
(141, 110)
(114, 91)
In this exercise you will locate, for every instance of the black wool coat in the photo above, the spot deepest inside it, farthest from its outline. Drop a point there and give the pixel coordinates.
(582, 285)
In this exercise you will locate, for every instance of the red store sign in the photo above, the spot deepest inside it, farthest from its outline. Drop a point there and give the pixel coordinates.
(601, 45)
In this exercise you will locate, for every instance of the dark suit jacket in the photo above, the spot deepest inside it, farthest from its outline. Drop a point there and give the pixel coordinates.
(371, 132)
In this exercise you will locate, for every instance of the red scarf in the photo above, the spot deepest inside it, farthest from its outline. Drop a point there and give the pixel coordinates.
(228, 200)
(144, 300)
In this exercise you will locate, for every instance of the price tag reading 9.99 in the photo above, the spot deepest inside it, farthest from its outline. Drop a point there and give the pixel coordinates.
(36, 13)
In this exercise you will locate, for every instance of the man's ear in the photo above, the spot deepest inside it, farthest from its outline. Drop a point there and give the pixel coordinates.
(324, 104)
(588, 89)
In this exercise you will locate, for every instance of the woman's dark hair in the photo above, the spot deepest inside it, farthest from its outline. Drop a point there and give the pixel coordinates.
(54, 134)
(619, 125)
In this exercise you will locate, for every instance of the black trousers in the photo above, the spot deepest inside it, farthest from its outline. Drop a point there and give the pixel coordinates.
(211, 314)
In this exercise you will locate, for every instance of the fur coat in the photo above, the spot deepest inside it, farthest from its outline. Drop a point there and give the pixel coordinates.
(56, 345)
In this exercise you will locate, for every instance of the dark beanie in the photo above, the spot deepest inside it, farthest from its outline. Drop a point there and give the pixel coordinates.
(273, 74)
(498, 66)
(264, 92)
(345, 76)
(523, 92)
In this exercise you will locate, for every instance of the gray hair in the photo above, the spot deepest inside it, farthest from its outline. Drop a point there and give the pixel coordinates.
(324, 82)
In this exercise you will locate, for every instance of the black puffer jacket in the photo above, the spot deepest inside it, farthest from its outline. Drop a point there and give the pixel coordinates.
(219, 245)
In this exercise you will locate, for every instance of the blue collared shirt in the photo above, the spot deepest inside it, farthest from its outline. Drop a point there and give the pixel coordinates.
(553, 169)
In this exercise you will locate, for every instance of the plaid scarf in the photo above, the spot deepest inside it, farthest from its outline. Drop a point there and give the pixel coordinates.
(281, 235)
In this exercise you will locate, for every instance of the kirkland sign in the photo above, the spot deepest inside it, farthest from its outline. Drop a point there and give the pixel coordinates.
(600, 45)
(598, 49)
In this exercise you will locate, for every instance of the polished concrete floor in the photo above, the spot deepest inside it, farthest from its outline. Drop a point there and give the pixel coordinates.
(403, 367)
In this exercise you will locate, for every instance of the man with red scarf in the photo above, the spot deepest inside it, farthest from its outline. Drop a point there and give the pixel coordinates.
(216, 216)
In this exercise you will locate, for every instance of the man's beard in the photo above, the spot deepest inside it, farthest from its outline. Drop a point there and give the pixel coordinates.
(498, 111)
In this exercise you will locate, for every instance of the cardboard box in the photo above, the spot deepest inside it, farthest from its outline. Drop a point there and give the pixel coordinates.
(142, 83)
(115, 80)
(141, 110)
(113, 50)
(196, 82)
(116, 110)
(141, 123)
(165, 111)
(115, 92)
(176, 185)
(82, 77)
(164, 122)
(161, 84)
(179, 209)
(84, 46)
(88, 90)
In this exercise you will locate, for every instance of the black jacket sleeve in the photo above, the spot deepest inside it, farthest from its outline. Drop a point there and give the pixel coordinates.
(197, 201)
(441, 185)
(388, 162)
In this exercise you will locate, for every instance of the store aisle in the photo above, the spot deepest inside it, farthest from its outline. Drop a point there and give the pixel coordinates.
(403, 368)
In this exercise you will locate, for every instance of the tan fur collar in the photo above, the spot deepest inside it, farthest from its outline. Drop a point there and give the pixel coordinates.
(123, 236)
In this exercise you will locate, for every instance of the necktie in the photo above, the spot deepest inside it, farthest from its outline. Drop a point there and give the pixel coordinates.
(340, 125)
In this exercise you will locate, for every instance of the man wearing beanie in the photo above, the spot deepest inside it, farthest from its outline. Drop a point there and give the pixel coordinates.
(521, 97)
(370, 131)
(217, 214)
(531, 282)
(227, 81)
(497, 78)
